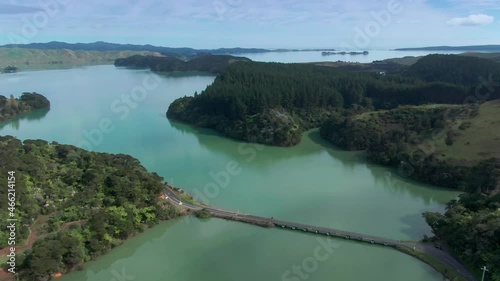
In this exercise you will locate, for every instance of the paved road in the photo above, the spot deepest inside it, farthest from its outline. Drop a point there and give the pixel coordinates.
(427, 248)
(444, 257)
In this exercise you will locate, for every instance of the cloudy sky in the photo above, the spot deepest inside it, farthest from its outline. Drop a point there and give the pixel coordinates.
(362, 24)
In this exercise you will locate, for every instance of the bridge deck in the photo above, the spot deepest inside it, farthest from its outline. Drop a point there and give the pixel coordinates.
(324, 231)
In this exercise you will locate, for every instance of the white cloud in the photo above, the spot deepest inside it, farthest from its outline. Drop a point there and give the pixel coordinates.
(472, 20)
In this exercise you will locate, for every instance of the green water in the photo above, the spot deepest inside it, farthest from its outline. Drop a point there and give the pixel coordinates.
(312, 183)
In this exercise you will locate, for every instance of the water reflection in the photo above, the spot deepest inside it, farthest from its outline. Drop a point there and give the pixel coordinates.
(389, 178)
(132, 245)
(35, 115)
(311, 144)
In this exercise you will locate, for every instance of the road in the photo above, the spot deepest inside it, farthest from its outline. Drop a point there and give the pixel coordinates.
(443, 256)
(427, 248)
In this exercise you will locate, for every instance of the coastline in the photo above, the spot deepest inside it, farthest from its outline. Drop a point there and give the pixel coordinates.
(7, 276)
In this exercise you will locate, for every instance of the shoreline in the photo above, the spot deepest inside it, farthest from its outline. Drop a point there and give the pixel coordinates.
(438, 266)
(44, 67)
(7, 276)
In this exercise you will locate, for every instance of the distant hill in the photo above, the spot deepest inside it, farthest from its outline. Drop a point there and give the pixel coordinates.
(24, 59)
(105, 46)
(491, 56)
(205, 63)
(462, 70)
(273, 103)
(477, 48)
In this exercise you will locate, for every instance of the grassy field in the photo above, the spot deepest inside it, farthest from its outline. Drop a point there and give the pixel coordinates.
(30, 59)
(476, 138)
(408, 60)
(373, 114)
(480, 141)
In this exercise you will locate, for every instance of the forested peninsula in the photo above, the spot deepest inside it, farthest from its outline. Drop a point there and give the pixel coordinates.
(437, 121)
(204, 63)
(12, 107)
(440, 101)
(274, 103)
(76, 204)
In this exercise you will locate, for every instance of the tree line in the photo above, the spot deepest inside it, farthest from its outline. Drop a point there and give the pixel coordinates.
(249, 96)
(471, 228)
(9, 69)
(204, 63)
(12, 107)
(396, 137)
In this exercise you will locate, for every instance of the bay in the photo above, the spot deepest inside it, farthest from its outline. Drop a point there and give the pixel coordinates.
(313, 183)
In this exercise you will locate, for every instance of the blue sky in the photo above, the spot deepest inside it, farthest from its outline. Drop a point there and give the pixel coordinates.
(353, 24)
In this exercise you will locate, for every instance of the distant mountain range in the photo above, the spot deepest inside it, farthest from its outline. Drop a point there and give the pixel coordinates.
(179, 52)
(105, 46)
(476, 48)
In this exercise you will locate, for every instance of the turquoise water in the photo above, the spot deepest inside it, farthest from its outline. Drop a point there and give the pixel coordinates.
(313, 182)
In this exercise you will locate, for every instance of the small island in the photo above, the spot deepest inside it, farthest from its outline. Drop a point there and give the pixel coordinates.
(12, 107)
(343, 53)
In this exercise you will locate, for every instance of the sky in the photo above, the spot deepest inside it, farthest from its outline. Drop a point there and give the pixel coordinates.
(346, 24)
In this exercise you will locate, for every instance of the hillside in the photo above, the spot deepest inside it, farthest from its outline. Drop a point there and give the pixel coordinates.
(264, 102)
(274, 103)
(25, 59)
(475, 138)
(12, 107)
(440, 144)
(459, 70)
(473, 48)
(205, 63)
(76, 204)
(105, 46)
(182, 53)
(491, 56)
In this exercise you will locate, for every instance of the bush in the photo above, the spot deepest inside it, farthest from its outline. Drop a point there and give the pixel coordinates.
(465, 125)
(450, 138)
(203, 214)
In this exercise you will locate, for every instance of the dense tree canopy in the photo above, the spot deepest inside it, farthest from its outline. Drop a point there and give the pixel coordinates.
(471, 227)
(90, 202)
(12, 107)
(239, 100)
(400, 137)
(204, 63)
(9, 69)
(460, 70)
